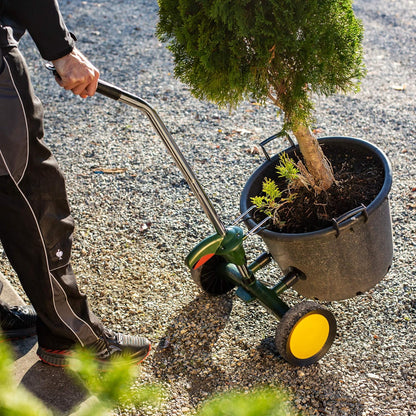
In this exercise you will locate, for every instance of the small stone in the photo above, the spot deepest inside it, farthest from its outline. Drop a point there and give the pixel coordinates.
(374, 376)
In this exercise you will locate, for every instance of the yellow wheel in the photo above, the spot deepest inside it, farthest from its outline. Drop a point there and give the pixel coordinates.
(305, 333)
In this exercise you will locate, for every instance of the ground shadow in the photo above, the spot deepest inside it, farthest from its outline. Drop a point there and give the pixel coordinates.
(55, 387)
(184, 358)
(190, 339)
(22, 346)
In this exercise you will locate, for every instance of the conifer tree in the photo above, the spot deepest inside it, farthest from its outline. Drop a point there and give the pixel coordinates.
(286, 51)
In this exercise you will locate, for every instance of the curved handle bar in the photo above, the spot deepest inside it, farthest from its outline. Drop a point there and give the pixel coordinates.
(118, 94)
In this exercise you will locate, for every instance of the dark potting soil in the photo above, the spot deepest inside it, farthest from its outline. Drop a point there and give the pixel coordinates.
(359, 178)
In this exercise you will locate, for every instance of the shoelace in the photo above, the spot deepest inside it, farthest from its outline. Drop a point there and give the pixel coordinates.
(100, 348)
(109, 334)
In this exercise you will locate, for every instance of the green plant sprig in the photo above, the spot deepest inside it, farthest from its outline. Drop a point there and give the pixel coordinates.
(273, 199)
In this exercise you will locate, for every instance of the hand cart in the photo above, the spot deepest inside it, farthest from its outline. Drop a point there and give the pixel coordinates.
(218, 263)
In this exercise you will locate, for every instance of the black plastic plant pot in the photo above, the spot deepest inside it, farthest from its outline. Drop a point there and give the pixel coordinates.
(341, 261)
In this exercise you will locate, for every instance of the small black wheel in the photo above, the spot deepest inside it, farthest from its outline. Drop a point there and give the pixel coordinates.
(210, 276)
(305, 333)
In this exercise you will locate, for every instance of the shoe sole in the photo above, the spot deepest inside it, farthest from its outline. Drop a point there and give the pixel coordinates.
(59, 358)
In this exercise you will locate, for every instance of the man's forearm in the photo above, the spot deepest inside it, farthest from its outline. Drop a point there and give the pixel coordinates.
(44, 22)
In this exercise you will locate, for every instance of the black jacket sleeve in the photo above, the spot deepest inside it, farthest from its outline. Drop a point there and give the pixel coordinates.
(44, 22)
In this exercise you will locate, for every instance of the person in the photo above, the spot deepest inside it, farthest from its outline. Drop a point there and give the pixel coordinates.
(36, 226)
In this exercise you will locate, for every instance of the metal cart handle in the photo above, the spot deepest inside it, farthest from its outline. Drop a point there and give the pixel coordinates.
(118, 94)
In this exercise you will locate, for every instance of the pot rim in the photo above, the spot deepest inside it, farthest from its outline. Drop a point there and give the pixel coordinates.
(378, 200)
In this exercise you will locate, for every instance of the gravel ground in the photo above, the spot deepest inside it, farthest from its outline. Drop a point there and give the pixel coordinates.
(135, 277)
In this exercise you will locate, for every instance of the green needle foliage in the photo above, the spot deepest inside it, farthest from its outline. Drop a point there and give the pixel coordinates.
(259, 402)
(272, 198)
(287, 168)
(112, 385)
(286, 51)
(231, 50)
(14, 400)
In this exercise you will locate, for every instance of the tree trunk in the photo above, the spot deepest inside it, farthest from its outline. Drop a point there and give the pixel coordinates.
(315, 161)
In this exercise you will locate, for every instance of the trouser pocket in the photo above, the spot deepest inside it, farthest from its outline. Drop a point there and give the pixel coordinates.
(13, 126)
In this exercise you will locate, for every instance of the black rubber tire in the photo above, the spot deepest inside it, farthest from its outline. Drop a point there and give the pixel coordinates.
(210, 278)
(286, 327)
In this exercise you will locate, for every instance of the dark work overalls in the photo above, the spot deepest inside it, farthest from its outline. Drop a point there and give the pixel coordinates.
(35, 222)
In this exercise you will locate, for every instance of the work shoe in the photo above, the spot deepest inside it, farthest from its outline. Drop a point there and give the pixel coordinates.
(109, 345)
(17, 321)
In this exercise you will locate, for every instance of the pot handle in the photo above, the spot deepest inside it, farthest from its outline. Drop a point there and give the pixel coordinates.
(275, 136)
(353, 214)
